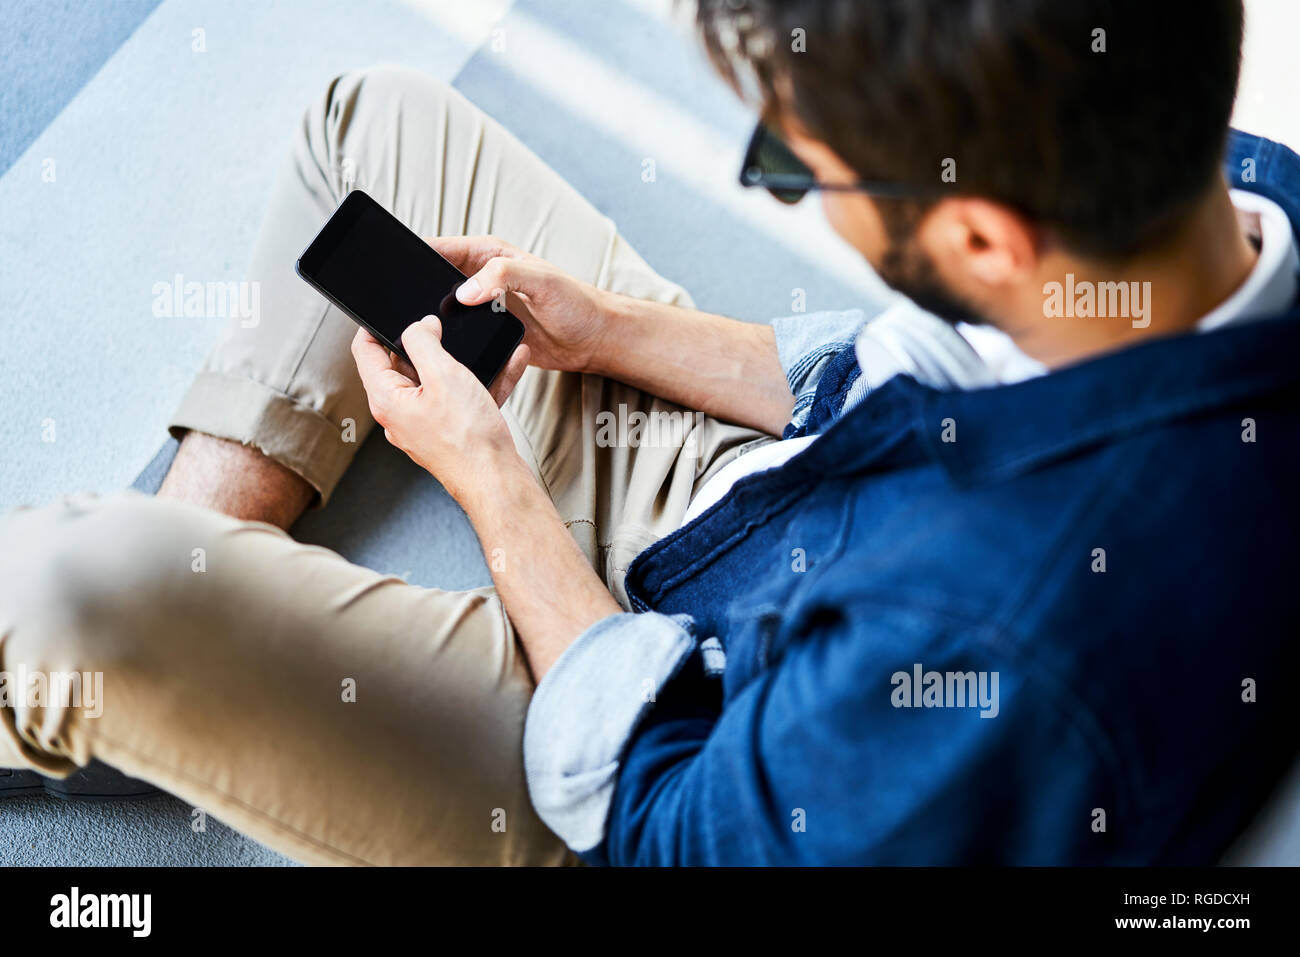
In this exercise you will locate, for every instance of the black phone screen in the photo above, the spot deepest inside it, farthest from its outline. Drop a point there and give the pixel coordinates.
(385, 277)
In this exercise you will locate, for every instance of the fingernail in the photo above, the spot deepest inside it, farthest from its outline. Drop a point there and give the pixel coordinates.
(469, 289)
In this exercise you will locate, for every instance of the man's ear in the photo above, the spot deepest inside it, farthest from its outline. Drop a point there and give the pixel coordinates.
(979, 242)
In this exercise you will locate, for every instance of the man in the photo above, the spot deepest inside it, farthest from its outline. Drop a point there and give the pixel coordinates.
(975, 605)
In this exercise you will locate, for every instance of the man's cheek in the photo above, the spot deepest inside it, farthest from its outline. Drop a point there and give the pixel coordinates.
(852, 216)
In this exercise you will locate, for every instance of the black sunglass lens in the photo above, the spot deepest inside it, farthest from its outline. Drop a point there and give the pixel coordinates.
(769, 159)
(788, 196)
(774, 158)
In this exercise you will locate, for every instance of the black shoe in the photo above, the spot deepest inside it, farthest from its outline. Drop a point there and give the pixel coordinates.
(95, 782)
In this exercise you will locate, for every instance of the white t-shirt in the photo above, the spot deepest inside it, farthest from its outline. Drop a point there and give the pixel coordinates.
(903, 339)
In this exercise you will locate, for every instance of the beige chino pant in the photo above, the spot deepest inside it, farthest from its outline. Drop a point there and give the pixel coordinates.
(339, 715)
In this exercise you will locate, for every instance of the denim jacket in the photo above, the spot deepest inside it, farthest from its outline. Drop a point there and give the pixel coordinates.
(1044, 623)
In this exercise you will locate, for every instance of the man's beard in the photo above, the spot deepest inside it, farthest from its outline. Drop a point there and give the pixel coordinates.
(908, 269)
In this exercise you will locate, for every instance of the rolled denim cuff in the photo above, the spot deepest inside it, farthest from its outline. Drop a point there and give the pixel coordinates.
(246, 411)
(805, 343)
(585, 710)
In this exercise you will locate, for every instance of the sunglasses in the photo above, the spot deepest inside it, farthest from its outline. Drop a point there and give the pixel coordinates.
(774, 166)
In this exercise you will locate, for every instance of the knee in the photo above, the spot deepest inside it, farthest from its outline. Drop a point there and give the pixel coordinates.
(383, 83)
(83, 577)
(363, 105)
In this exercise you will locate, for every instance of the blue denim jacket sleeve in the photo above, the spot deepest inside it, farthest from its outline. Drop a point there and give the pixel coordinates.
(805, 343)
(631, 759)
(585, 709)
(815, 762)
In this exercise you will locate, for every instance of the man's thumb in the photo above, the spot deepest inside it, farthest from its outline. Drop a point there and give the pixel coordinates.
(469, 292)
(423, 343)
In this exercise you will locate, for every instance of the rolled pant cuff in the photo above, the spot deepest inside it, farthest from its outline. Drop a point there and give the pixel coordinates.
(246, 411)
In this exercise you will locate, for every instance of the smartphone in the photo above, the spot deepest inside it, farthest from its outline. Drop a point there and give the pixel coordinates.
(366, 262)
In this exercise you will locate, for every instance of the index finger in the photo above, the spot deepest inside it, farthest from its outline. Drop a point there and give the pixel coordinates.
(469, 253)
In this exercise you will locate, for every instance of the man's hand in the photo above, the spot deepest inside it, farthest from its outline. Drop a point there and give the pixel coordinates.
(449, 424)
(443, 418)
(563, 317)
(726, 368)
